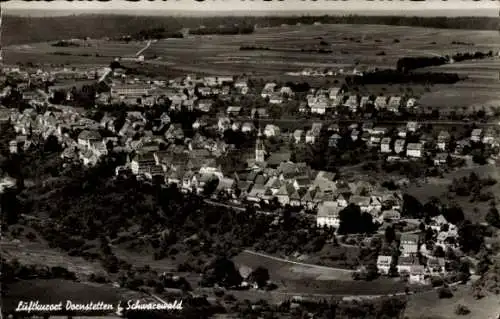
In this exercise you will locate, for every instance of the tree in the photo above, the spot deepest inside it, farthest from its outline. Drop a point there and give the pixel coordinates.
(461, 310)
(493, 217)
(411, 206)
(260, 276)
(390, 234)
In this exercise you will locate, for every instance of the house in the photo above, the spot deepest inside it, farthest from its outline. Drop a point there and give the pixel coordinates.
(364, 102)
(380, 102)
(399, 146)
(352, 103)
(271, 130)
(142, 163)
(391, 215)
(362, 201)
(334, 140)
(435, 266)
(355, 135)
(384, 264)
(412, 126)
(87, 137)
(489, 137)
(411, 102)
(334, 93)
(414, 150)
(394, 104)
(417, 275)
(247, 127)
(226, 185)
(402, 131)
(275, 98)
(204, 105)
(440, 159)
(443, 140)
(385, 145)
(476, 135)
(256, 193)
(409, 244)
(379, 131)
(260, 112)
(268, 89)
(367, 126)
(224, 123)
(328, 215)
(298, 135)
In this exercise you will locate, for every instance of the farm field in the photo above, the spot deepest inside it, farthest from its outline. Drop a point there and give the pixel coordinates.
(350, 45)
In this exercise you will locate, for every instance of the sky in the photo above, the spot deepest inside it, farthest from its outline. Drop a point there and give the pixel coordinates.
(469, 7)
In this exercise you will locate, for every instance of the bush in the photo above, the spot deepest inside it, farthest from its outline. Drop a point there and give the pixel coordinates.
(444, 293)
(462, 310)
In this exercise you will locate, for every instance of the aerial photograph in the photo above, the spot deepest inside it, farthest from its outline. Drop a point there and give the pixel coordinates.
(250, 159)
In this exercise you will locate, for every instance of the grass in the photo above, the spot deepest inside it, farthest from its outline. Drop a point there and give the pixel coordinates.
(428, 305)
(439, 188)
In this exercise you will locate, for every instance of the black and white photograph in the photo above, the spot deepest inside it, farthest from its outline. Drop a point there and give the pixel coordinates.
(250, 159)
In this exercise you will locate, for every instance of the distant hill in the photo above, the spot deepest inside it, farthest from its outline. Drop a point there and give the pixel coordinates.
(22, 29)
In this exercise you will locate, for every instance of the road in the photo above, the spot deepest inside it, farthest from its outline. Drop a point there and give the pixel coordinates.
(332, 120)
(346, 271)
(148, 44)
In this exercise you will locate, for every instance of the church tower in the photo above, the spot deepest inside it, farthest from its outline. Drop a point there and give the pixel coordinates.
(259, 149)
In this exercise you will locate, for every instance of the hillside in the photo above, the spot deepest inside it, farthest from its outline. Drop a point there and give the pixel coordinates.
(18, 30)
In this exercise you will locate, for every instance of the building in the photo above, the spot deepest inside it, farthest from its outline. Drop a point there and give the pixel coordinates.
(385, 145)
(380, 102)
(414, 150)
(409, 244)
(260, 152)
(443, 140)
(142, 163)
(384, 264)
(328, 214)
(129, 90)
(476, 135)
(399, 146)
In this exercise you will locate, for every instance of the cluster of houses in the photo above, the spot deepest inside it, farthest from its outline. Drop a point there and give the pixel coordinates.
(411, 245)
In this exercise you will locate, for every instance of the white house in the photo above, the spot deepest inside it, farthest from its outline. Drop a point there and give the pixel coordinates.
(328, 215)
(414, 150)
(271, 130)
(476, 135)
(399, 146)
(384, 264)
(385, 145)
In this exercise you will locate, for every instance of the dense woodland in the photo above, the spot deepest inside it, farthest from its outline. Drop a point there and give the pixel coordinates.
(18, 29)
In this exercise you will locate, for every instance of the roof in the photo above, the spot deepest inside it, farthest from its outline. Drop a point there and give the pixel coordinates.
(414, 146)
(384, 260)
(89, 135)
(277, 158)
(360, 200)
(328, 209)
(409, 238)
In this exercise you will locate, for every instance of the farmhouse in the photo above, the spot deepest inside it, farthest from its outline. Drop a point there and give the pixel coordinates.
(476, 135)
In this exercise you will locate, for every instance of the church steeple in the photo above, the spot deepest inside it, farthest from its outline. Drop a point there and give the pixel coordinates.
(259, 148)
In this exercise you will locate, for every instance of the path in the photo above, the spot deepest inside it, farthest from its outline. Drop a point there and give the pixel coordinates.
(346, 271)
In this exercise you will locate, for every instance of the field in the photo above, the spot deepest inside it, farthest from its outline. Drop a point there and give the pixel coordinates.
(428, 305)
(359, 46)
(350, 44)
(293, 278)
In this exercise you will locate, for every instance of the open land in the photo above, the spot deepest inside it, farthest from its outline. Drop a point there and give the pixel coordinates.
(428, 305)
(352, 46)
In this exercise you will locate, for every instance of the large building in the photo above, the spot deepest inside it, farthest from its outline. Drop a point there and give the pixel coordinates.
(129, 90)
